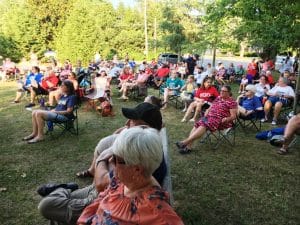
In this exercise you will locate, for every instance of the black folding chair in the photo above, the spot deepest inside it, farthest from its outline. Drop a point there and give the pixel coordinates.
(218, 137)
(71, 125)
(252, 120)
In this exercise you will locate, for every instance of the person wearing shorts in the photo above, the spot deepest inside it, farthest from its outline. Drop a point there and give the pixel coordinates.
(62, 112)
(280, 95)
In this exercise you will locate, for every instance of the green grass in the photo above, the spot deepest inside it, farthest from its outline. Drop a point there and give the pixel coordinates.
(245, 185)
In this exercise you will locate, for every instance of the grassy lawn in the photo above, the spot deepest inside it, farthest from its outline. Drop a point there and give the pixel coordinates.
(245, 185)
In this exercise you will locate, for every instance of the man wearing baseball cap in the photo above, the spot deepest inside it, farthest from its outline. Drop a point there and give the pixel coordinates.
(63, 205)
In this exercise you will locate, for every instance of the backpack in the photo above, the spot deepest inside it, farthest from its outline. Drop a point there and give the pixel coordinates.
(268, 134)
(106, 108)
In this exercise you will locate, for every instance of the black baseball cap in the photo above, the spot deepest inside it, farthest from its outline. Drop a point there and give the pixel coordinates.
(146, 112)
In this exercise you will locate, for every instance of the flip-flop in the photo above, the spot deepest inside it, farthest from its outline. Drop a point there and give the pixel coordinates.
(27, 138)
(33, 141)
(84, 174)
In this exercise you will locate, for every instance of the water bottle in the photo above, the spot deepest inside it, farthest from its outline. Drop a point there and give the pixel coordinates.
(50, 125)
(42, 102)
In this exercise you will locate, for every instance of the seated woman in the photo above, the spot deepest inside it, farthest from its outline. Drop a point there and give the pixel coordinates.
(280, 95)
(161, 75)
(99, 86)
(219, 116)
(126, 76)
(221, 75)
(141, 79)
(134, 196)
(187, 91)
(173, 85)
(203, 97)
(292, 128)
(62, 112)
(262, 88)
(248, 102)
(56, 94)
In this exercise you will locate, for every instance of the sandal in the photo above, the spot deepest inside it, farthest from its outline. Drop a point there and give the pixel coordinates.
(282, 151)
(185, 150)
(27, 138)
(84, 174)
(33, 141)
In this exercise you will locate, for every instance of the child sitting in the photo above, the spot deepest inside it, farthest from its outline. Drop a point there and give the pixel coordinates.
(243, 84)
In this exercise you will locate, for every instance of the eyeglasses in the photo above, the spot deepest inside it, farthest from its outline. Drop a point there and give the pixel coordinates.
(116, 160)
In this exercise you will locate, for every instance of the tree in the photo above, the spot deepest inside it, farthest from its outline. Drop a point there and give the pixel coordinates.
(89, 28)
(173, 31)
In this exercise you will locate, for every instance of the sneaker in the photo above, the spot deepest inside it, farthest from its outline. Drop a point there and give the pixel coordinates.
(183, 120)
(192, 120)
(274, 122)
(184, 110)
(46, 189)
(263, 120)
(29, 105)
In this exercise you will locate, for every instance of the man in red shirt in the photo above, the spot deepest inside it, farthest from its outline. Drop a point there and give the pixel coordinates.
(251, 71)
(49, 82)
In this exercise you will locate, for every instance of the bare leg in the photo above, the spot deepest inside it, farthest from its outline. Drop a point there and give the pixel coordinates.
(39, 123)
(19, 95)
(189, 110)
(292, 128)
(277, 108)
(197, 111)
(267, 108)
(195, 133)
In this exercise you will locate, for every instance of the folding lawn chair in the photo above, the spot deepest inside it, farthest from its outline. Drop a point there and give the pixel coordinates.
(218, 137)
(71, 125)
(252, 120)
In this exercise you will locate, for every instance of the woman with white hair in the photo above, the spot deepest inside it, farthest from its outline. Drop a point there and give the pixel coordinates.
(248, 102)
(280, 95)
(134, 196)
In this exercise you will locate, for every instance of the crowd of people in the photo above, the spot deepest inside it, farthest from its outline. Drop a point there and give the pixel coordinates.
(128, 167)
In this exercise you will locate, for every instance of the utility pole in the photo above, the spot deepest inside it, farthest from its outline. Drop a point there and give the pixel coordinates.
(155, 35)
(145, 27)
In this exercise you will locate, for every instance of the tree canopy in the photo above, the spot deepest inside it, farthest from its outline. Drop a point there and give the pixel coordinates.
(76, 29)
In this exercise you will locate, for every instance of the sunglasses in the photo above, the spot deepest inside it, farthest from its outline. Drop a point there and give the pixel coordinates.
(116, 160)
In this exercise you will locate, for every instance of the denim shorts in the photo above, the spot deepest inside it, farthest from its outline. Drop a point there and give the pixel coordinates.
(275, 99)
(52, 116)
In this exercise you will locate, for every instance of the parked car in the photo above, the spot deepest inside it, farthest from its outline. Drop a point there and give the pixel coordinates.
(169, 57)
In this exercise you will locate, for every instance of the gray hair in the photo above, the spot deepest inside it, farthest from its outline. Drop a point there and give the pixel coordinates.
(140, 146)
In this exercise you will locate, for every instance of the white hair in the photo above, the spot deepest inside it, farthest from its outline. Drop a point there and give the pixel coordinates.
(140, 146)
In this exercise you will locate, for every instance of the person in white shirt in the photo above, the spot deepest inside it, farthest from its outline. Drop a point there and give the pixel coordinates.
(280, 95)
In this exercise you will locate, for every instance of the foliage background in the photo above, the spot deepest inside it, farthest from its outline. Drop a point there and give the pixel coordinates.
(76, 29)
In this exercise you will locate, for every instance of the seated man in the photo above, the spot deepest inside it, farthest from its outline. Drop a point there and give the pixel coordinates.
(65, 206)
(280, 95)
(248, 102)
(292, 128)
(135, 154)
(219, 116)
(24, 86)
(49, 82)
